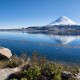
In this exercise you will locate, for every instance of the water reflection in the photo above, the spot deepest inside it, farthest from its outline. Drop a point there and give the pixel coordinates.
(64, 48)
(66, 39)
(42, 38)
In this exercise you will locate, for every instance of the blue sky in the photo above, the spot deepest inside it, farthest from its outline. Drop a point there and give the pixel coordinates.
(23, 13)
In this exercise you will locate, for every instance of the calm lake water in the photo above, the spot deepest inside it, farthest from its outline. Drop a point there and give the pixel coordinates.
(65, 49)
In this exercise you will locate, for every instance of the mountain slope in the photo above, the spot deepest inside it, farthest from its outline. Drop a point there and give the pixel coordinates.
(63, 21)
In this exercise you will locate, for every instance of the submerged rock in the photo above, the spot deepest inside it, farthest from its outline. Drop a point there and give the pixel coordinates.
(5, 53)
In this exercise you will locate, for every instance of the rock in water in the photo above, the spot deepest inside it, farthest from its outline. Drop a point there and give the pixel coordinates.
(5, 53)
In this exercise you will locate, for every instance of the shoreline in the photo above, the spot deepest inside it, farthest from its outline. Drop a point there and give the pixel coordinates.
(26, 62)
(70, 63)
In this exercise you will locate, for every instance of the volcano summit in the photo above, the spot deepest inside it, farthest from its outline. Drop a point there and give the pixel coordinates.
(63, 21)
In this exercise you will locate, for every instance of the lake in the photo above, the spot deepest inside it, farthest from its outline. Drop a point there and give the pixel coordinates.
(58, 48)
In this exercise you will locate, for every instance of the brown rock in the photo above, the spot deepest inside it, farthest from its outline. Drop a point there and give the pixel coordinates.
(5, 53)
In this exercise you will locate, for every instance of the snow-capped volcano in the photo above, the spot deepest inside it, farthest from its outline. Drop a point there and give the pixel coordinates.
(63, 21)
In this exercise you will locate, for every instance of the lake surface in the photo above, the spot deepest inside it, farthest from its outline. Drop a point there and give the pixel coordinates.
(59, 48)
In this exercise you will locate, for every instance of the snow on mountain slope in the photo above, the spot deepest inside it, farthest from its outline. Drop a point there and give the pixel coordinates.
(63, 21)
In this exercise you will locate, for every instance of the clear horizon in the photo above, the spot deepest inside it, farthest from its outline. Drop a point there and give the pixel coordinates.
(24, 13)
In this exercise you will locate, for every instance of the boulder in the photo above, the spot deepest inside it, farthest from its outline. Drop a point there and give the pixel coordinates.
(5, 53)
(66, 75)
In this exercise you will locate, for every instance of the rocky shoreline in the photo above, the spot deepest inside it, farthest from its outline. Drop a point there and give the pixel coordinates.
(6, 72)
